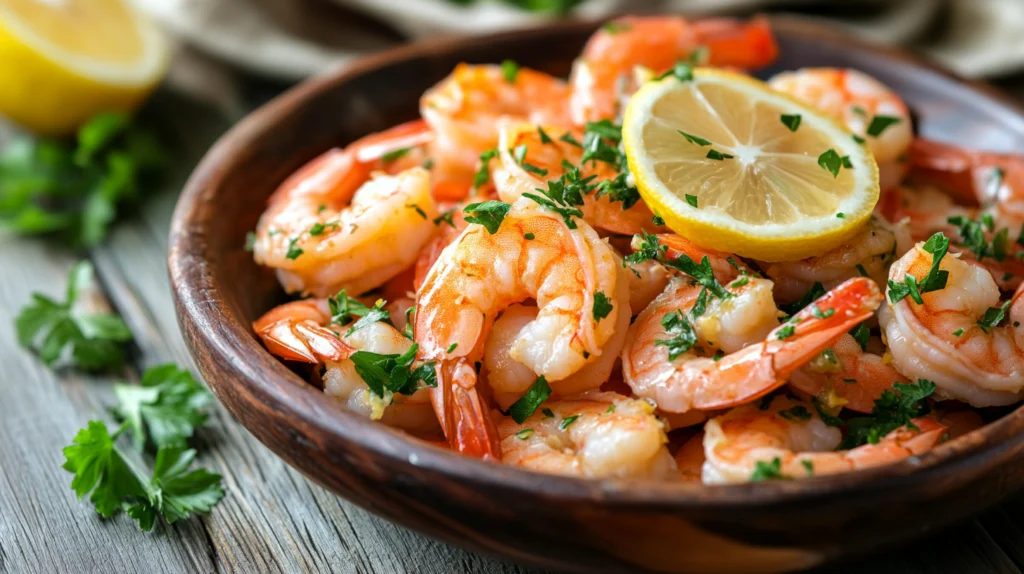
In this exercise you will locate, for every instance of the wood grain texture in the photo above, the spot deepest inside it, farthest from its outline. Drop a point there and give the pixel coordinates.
(273, 519)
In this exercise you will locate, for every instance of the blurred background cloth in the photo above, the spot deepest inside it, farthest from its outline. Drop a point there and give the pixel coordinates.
(292, 39)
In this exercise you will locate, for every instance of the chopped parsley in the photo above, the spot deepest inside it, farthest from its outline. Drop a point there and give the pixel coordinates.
(395, 154)
(451, 347)
(938, 246)
(717, 155)
(489, 213)
(657, 220)
(683, 337)
(538, 392)
(701, 304)
(861, 334)
(808, 466)
(567, 421)
(344, 308)
(387, 375)
(484, 173)
(250, 241)
(446, 217)
(519, 153)
(831, 162)
(819, 314)
(682, 71)
(602, 306)
(294, 251)
(880, 123)
(528, 236)
(375, 314)
(691, 199)
(791, 121)
(694, 139)
(418, 209)
(510, 70)
(702, 273)
(768, 471)
(645, 248)
(993, 316)
(817, 291)
(524, 434)
(891, 411)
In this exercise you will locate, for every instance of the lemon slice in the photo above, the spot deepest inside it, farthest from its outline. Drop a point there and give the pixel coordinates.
(717, 159)
(62, 61)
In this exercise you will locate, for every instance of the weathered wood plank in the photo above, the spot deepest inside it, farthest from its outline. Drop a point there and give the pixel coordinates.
(43, 527)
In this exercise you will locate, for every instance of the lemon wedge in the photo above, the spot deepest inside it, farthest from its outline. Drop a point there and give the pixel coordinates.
(62, 61)
(735, 166)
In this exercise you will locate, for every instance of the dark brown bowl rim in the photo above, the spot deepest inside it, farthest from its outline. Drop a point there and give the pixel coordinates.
(952, 463)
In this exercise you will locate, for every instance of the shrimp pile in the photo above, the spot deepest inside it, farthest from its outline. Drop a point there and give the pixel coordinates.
(488, 277)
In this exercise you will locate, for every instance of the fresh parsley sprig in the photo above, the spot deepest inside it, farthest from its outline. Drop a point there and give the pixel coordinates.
(165, 407)
(73, 191)
(117, 483)
(55, 330)
(390, 374)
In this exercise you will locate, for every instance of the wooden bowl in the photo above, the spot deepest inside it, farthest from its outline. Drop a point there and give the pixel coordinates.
(548, 521)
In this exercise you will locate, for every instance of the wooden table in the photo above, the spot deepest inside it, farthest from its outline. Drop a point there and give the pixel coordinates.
(272, 519)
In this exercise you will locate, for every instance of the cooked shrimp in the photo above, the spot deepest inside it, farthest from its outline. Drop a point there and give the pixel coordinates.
(925, 209)
(943, 338)
(690, 458)
(566, 271)
(993, 180)
(846, 375)
(463, 110)
(736, 442)
(612, 53)
(759, 354)
(302, 331)
(867, 254)
(596, 435)
(327, 228)
(514, 176)
(509, 379)
(867, 107)
(929, 211)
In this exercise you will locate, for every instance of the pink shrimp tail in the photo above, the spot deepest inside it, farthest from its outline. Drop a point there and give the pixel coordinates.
(759, 369)
(463, 413)
(296, 332)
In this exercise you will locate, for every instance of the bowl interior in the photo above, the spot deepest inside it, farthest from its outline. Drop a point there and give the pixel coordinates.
(227, 193)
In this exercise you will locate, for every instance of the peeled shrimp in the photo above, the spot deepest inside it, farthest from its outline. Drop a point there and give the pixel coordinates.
(696, 380)
(302, 331)
(601, 74)
(464, 108)
(595, 435)
(867, 254)
(925, 209)
(509, 379)
(844, 375)
(481, 274)
(941, 339)
(993, 180)
(735, 442)
(857, 99)
(690, 458)
(332, 225)
(512, 180)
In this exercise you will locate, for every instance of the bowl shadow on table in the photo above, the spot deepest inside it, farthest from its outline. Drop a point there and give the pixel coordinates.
(546, 521)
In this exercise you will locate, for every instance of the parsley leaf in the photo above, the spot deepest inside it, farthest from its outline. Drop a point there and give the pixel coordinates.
(602, 306)
(374, 314)
(831, 161)
(861, 334)
(484, 173)
(891, 411)
(768, 471)
(645, 247)
(519, 153)
(174, 493)
(391, 374)
(164, 408)
(993, 316)
(510, 71)
(395, 154)
(538, 392)
(817, 291)
(91, 341)
(446, 217)
(683, 337)
(791, 121)
(695, 139)
(343, 308)
(49, 188)
(702, 273)
(880, 123)
(490, 214)
(717, 155)
(938, 246)
(682, 71)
